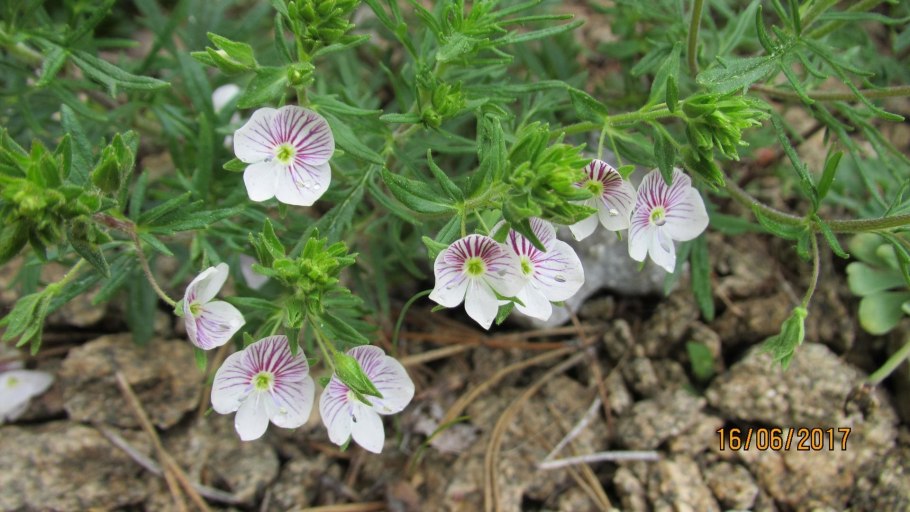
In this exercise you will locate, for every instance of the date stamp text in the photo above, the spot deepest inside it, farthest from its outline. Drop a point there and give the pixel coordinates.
(776, 439)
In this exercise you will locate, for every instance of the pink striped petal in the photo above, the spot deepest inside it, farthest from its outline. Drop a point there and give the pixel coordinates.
(301, 184)
(389, 377)
(206, 285)
(337, 410)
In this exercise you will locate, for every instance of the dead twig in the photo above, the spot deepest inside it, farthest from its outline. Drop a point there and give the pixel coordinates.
(491, 460)
(172, 472)
(368, 506)
(585, 478)
(612, 456)
(152, 467)
(432, 355)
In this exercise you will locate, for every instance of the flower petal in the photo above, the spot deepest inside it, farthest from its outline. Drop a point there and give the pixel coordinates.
(451, 283)
(253, 279)
(535, 304)
(558, 273)
(481, 303)
(617, 199)
(231, 384)
(504, 272)
(223, 95)
(301, 184)
(273, 355)
(389, 377)
(308, 132)
(336, 411)
(252, 418)
(17, 387)
(688, 218)
(206, 285)
(215, 324)
(662, 251)
(256, 140)
(583, 228)
(293, 402)
(261, 180)
(366, 427)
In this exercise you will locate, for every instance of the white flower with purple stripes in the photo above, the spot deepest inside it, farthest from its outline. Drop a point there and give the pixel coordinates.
(209, 323)
(553, 276)
(664, 213)
(345, 416)
(264, 382)
(474, 269)
(288, 150)
(613, 198)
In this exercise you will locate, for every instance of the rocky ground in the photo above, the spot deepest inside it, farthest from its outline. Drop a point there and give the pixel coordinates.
(626, 384)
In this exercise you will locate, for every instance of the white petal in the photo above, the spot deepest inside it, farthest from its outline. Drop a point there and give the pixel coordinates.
(308, 132)
(17, 387)
(215, 324)
(367, 429)
(224, 94)
(206, 285)
(543, 230)
(688, 218)
(504, 271)
(535, 304)
(662, 251)
(231, 384)
(558, 274)
(256, 140)
(481, 303)
(451, 283)
(336, 411)
(293, 402)
(261, 180)
(273, 355)
(583, 228)
(252, 418)
(253, 279)
(615, 206)
(302, 184)
(640, 233)
(389, 377)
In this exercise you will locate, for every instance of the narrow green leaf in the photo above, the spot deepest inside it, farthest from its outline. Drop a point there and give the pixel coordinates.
(112, 76)
(53, 61)
(762, 35)
(91, 252)
(522, 37)
(830, 237)
(664, 154)
(450, 188)
(780, 229)
(831, 163)
(346, 139)
(804, 179)
(736, 74)
(587, 108)
(701, 359)
(701, 277)
(82, 149)
(268, 84)
(414, 194)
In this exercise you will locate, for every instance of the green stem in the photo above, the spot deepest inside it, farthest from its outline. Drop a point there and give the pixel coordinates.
(20, 50)
(692, 53)
(816, 270)
(890, 365)
(836, 225)
(887, 92)
(147, 270)
(54, 288)
(831, 26)
(628, 118)
(325, 347)
(400, 321)
(600, 141)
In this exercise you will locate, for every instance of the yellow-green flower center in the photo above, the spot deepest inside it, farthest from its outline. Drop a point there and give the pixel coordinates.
(596, 187)
(658, 216)
(12, 382)
(284, 153)
(526, 267)
(262, 381)
(195, 309)
(475, 266)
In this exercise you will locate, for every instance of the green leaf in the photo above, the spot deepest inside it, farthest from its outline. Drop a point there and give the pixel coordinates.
(787, 231)
(824, 183)
(762, 35)
(348, 370)
(140, 308)
(434, 247)
(701, 359)
(587, 108)
(342, 330)
(866, 280)
(701, 277)
(202, 359)
(13, 237)
(350, 42)
(412, 118)
(241, 52)
(156, 244)
(350, 143)
(664, 154)
(830, 237)
(504, 312)
(91, 252)
(416, 195)
(737, 74)
(268, 85)
(804, 179)
(521, 37)
(450, 188)
(82, 149)
(668, 68)
(150, 216)
(113, 77)
(235, 165)
(53, 61)
(881, 312)
(783, 345)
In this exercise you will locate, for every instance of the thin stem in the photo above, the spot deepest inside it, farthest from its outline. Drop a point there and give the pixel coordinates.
(600, 142)
(147, 270)
(837, 225)
(404, 310)
(54, 288)
(325, 347)
(816, 270)
(887, 92)
(692, 53)
(890, 365)
(614, 456)
(20, 50)
(628, 118)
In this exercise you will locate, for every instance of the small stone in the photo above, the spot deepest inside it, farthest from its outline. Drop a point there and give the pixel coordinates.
(676, 485)
(641, 376)
(732, 485)
(618, 340)
(620, 397)
(64, 466)
(669, 323)
(700, 438)
(298, 484)
(163, 375)
(631, 491)
(653, 421)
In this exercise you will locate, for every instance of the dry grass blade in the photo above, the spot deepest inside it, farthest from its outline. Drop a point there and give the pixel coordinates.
(586, 478)
(432, 355)
(369, 506)
(171, 470)
(491, 485)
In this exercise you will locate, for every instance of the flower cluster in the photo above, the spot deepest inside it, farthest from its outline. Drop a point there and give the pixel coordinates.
(485, 274)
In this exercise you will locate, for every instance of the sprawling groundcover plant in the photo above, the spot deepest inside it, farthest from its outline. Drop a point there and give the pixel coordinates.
(443, 146)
